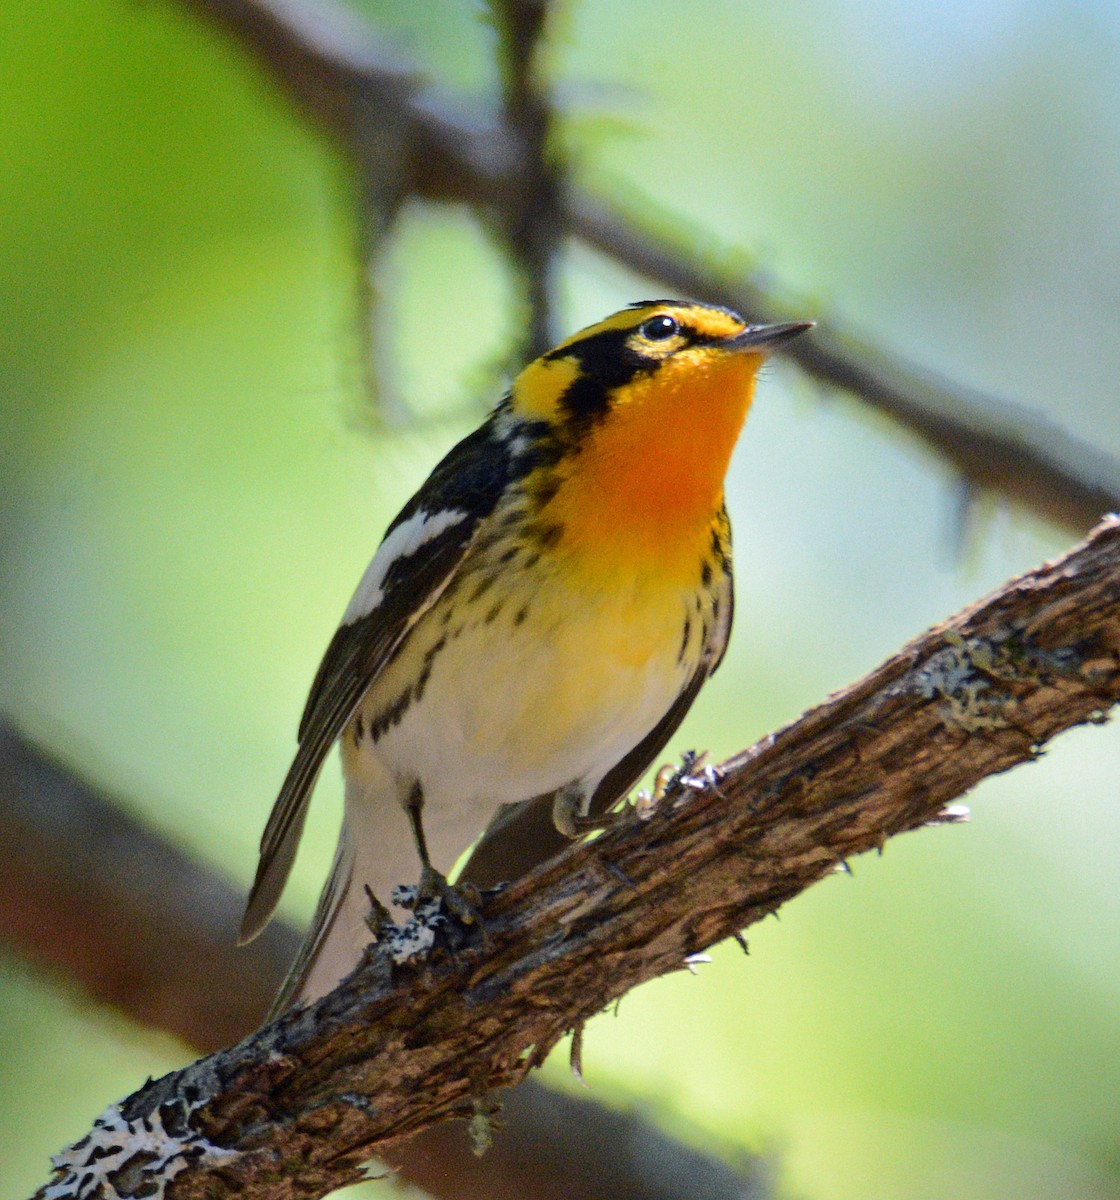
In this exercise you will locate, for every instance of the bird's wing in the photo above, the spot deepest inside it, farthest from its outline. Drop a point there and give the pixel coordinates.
(417, 559)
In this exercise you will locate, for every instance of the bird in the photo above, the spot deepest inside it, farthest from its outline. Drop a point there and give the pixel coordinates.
(533, 627)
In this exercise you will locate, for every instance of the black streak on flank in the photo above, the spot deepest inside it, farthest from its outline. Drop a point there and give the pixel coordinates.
(426, 670)
(548, 536)
(706, 574)
(720, 551)
(685, 639)
(487, 581)
(544, 491)
(512, 519)
(390, 715)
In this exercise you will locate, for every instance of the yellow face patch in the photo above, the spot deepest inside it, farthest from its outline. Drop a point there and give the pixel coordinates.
(540, 389)
(541, 385)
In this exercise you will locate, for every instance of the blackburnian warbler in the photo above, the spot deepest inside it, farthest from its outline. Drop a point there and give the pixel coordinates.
(537, 620)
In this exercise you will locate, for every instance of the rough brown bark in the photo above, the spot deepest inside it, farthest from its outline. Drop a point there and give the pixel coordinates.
(139, 925)
(295, 1109)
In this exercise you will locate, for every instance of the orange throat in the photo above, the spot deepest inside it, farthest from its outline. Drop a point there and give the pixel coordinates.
(650, 477)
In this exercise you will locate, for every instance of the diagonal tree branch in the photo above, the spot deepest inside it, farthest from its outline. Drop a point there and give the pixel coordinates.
(295, 1109)
(329, 61)
(89, 891)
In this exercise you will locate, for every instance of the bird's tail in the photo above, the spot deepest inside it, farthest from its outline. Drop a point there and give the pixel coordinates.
(302, 983)
(375, 852)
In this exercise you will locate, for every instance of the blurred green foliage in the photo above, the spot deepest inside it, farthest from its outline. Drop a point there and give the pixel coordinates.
(192, 483)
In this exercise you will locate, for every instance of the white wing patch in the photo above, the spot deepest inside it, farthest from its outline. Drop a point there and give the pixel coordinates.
(408, 537)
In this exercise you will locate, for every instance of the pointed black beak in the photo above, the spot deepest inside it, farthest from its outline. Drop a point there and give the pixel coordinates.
(762, 339)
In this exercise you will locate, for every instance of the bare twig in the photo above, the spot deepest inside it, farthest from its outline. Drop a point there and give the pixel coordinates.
(995, 444)
(330, 62)
(530, 216)
(294, 1110)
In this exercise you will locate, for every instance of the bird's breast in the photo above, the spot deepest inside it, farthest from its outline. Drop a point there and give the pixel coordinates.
(530, 685)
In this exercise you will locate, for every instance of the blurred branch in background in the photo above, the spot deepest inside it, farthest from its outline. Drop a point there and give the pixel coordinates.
(302, 1104)
(89, 892)
(394, 127)
(531, 216)
(140, 926)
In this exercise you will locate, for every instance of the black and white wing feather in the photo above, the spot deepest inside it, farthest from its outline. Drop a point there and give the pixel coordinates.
(417, 559)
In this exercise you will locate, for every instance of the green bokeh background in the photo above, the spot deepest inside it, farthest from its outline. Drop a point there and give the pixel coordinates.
(192, 482)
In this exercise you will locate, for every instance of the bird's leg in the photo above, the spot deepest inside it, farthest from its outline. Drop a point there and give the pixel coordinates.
(462, 902)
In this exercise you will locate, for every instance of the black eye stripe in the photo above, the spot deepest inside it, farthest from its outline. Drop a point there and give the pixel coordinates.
(605, 356)
(611, 358)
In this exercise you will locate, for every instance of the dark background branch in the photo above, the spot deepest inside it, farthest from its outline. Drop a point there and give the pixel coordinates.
(530, 217)
(330, 63)
(89, 892)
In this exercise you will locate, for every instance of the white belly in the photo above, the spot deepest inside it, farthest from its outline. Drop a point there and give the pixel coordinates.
(512, 710)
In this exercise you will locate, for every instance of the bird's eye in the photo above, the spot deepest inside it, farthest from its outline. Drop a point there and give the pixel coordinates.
(657, 329)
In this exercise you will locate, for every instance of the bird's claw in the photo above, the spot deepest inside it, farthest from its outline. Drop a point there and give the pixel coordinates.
(695, 774)
(378, 919)
(459, 900)
(599, 824)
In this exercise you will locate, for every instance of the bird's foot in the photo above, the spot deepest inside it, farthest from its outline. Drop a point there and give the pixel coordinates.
(601, 823)
(460, 900)
(435, 909)
(695, 774)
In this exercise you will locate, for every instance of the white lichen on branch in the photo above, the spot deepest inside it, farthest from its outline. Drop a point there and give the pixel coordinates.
(121, 1159)
(971, 676)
